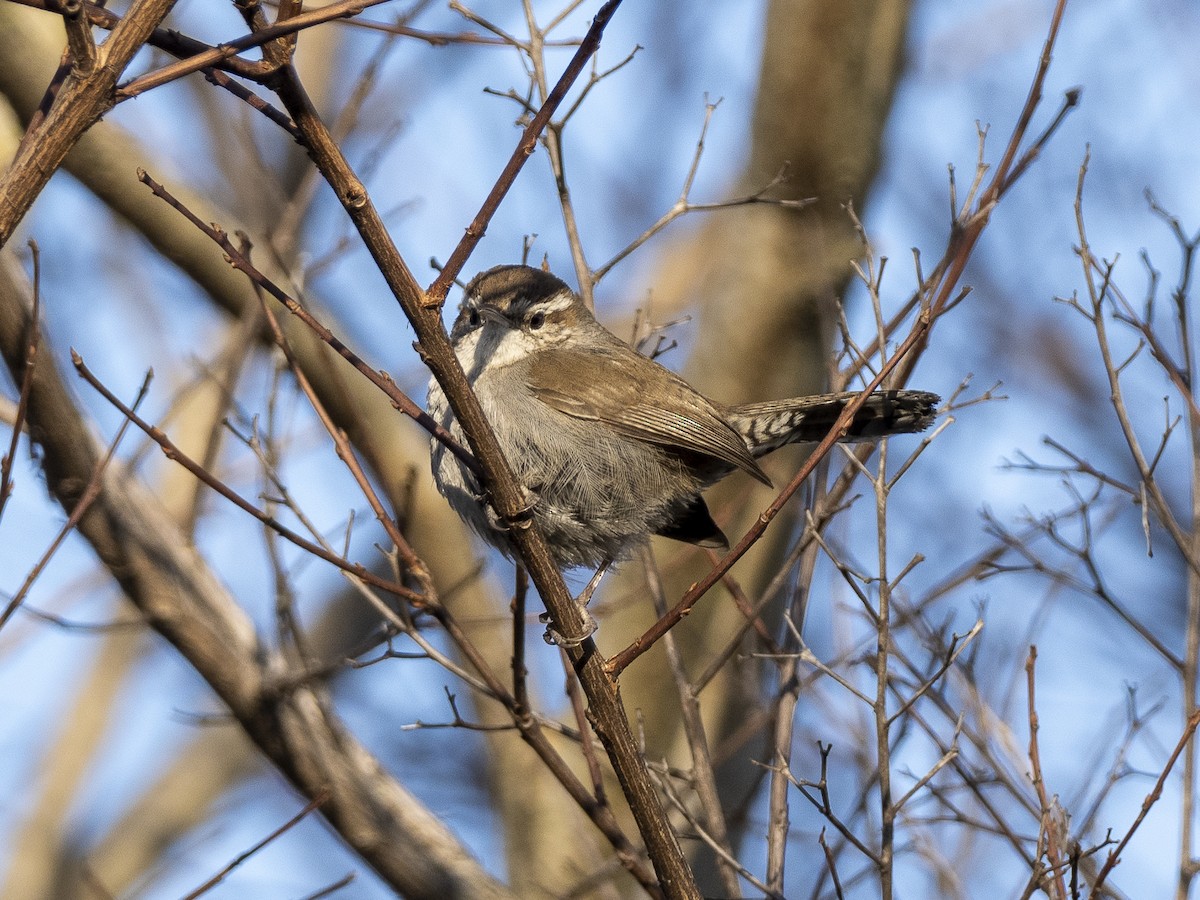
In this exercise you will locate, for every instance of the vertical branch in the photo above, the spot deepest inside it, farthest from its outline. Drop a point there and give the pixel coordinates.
(1191, 669)
(703, 775)
(80, 44)
(1191, 662)
(554, 152)
(1188, 543)
(288, 632)
(1048, 827)
(779, 821)
(785, 716)
(883, 761)
(26, 380)
(519, 672)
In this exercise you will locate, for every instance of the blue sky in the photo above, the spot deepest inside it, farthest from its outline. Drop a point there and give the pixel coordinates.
(628, 150)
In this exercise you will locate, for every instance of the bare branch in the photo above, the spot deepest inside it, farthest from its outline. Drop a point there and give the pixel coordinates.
(173, 452)
(291, 823)
(1114, 855)
(436, 294)
(26, 384)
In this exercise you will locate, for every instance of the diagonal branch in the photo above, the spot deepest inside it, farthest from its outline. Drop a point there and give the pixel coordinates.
(84, 98)
(173, 452)
(937, 295)
(227, 50)
(475, 231)
(606, 707)
(184, 601)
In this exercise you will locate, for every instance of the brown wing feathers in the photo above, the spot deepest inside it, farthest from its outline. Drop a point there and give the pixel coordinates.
(612, 389)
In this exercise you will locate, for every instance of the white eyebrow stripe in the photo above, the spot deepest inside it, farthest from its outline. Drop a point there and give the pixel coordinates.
(558, 302)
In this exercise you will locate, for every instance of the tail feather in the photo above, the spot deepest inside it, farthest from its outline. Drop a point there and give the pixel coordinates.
(768, 426)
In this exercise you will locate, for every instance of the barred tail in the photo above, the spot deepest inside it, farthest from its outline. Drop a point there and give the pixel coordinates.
(768, 426)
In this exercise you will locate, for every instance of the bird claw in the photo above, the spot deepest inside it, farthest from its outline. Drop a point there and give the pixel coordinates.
(521, 519)
(555, 638)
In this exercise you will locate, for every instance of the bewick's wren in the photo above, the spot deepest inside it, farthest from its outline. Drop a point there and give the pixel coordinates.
(612, 447)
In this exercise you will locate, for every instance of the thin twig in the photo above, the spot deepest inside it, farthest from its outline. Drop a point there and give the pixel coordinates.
(552, 139)
(312, 805)
(172, 452)
(176, 70)
(831, 864)
(1047, 826)
(332, 888)
(88, 496)
(944, 760)
(243, 93)
(31, 351)
(436, 294)
(957, 645)
(888, 807)
(1114, 855)
(413, 565)
(721, 851)
(1096, 294)
(824, 805)
(704, 777)
(380, 379)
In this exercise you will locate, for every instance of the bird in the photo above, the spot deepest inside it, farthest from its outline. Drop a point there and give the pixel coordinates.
(610, 446)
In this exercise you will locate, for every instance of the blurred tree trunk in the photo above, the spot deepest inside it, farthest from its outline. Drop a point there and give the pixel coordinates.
(763, 282)
(104, 162)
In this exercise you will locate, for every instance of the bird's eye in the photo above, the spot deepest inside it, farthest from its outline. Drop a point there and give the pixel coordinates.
(537, 320)
(473, 318)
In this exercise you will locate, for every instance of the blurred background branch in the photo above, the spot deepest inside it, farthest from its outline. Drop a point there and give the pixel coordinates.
(827, 693)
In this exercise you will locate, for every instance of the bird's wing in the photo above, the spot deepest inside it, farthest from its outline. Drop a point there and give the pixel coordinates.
(640, 399)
